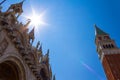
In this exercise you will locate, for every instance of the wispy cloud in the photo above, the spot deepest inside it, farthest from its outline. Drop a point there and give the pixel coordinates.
(91, 70)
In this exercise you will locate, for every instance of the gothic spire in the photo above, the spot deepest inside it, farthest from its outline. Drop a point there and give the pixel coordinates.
(16, 8)
(40, 48)
(54, 77)
(50, 72)
(32, 32)
(48, 52)
(21, 2)
(37, 44)
(26, 25)
(40, 54)
(98, 31)
(31, 35)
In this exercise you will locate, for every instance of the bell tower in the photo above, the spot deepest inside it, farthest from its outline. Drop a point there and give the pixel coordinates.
(108, 53)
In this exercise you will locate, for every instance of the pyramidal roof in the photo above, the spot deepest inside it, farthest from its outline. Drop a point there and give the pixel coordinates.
(98, 31)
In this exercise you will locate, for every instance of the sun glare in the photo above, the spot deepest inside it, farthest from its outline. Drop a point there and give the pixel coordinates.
(36, 19)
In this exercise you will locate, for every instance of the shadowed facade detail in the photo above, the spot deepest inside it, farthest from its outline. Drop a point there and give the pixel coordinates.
(9, 71)
(108, 53)
(19, 60)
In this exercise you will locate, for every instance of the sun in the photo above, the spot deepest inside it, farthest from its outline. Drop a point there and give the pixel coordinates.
(36, 19)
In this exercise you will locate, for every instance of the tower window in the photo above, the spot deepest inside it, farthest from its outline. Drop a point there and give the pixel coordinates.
(112, 46)
(99, 38)
(104, 47)
(109, 46)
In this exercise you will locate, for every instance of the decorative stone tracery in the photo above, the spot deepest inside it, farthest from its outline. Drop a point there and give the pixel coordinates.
(3, 46)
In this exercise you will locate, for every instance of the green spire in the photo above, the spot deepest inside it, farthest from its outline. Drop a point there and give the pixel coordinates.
(98, 31)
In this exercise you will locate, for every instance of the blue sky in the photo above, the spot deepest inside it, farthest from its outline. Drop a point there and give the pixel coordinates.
(70, 34)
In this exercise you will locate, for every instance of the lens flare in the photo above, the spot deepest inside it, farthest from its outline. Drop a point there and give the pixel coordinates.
(37, 20)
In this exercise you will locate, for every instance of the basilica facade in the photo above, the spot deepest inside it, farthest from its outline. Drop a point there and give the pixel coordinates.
(19, 60)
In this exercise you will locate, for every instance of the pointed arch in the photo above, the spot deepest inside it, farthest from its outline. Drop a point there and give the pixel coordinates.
(14, 67)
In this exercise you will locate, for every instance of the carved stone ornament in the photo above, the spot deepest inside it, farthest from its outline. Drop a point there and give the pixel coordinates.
(3, 46)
